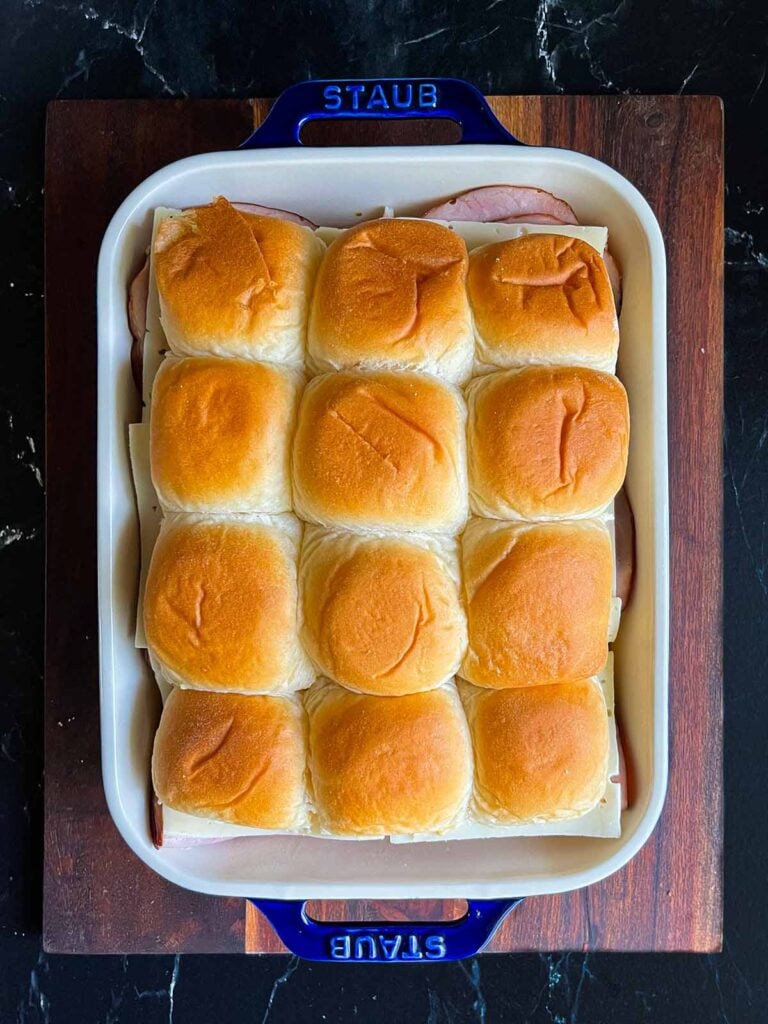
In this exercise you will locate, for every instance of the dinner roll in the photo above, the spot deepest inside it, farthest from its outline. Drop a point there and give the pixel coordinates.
(238, 759)
(382, 615)
(546, 442)
(232, 283)
(541, 753)
(391, 293)
(538, 601)
(381, 450)
(220, 435)
(388, 765)
(542, 299)
(220, 605)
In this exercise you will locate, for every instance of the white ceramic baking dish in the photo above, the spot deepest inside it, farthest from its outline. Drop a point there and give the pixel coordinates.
(341, 186)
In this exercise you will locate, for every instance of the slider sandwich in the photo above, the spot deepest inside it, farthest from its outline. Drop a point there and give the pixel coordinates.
(382, 450)
(234, 283)
(541, 752)
(236, 759)
(384, 766)
(546, 442)
(542, 298)
(221, 433)
(390, 294)
(382, 614)
(538, 600)
(221, 604)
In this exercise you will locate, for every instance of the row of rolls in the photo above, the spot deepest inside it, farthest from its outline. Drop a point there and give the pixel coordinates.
(370, 535)
(399, 292)
(330, 762)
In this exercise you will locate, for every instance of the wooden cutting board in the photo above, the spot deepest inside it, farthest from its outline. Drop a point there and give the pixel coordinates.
(98, 897)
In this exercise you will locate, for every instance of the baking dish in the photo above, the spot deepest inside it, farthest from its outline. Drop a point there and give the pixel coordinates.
(342, 186)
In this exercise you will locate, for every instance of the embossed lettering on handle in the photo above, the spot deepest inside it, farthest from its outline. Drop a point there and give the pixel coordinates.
(375, 946)
(385, 942)
(380, 98)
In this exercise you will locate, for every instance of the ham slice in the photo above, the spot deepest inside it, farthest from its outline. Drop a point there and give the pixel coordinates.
(535, 218)
(137, 302)
(624, 529)
(137, 364)
(155, 818)
(500, 202)
(138, 293)
(271, 211)
(266, 211)
(614, 276)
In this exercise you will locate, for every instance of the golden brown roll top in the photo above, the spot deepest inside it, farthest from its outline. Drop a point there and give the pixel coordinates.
(381, 615)
(538, 600)
(391, 293)
(231, 283)
(220, 435)
(388, 765)
(541, 752)
(381, 451)
(238, 759)
(546, 442)
(221, 605)
(542, 298)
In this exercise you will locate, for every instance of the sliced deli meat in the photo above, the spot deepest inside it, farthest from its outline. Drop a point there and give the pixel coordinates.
(137, 363)
(614, 276)
(271, 211)
(138, 293)
(535, 218)
(155, 819)
(267, 211)
(500, 202)
(624, 528)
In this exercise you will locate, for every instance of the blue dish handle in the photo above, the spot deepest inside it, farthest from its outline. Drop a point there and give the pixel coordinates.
(379, 99)
(385, 941)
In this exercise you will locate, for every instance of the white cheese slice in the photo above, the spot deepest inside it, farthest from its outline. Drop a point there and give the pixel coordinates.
(614, 616)
(181, 829)
(155, 345)
(476, 235)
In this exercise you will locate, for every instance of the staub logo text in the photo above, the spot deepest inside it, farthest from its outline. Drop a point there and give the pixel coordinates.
(374, 946)
(372, 97)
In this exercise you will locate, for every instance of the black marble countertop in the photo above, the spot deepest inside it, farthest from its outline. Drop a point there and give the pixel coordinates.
(117, 48)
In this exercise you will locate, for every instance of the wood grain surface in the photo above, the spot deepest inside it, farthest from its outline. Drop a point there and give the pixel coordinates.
(98, 897)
